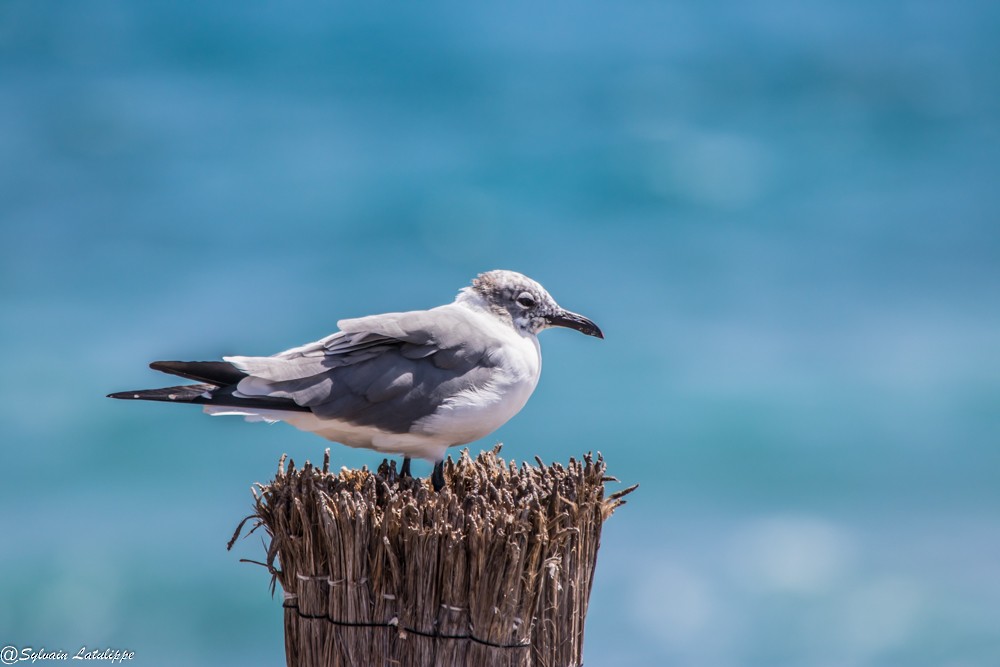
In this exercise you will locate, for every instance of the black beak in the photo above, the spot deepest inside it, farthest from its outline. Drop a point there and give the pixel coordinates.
(570, 320)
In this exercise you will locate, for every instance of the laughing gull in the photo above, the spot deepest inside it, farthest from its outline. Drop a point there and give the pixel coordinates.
(413, 383)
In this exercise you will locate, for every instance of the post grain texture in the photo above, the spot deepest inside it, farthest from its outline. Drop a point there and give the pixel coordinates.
(494, 570)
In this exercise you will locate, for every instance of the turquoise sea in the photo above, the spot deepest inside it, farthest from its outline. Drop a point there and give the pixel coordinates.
(784, 215)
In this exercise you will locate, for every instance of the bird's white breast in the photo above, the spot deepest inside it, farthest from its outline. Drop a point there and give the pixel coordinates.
(476, 412)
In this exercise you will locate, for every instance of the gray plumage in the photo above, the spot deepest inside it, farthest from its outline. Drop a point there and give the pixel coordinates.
(387, 371)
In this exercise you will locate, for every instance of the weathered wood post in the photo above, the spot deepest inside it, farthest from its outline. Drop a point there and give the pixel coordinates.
(496, 569)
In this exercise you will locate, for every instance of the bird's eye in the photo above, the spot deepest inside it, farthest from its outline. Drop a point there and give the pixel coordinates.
(525, 300)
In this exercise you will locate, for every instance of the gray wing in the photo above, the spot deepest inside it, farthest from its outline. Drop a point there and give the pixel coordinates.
(384, 370)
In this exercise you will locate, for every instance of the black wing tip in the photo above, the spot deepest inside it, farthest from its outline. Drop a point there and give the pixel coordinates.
(219, 373)
(163, 366)
(124, 394)
(204, 394)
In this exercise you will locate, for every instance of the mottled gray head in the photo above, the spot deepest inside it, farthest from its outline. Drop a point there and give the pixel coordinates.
(526, 305)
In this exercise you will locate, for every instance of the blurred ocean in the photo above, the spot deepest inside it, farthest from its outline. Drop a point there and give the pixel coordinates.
(785, 216)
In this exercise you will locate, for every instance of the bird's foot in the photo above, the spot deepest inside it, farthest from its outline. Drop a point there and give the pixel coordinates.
(437, 477)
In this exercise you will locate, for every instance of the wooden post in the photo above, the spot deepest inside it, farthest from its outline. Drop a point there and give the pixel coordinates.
(495, 570)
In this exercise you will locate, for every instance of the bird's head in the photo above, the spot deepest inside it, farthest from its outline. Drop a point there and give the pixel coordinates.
(525, 304)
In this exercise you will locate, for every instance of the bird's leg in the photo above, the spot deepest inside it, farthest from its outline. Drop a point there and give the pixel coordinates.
(437, 477)
(404, 471)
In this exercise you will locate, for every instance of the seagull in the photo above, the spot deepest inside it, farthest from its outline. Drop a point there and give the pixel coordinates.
(411, 384)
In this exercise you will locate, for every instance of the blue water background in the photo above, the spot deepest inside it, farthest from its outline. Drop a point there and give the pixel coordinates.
(785, 216)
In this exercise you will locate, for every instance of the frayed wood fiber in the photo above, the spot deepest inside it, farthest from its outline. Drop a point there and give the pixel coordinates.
(494, 570)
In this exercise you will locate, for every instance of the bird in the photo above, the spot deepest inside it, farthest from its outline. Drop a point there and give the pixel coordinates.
(404, 383)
